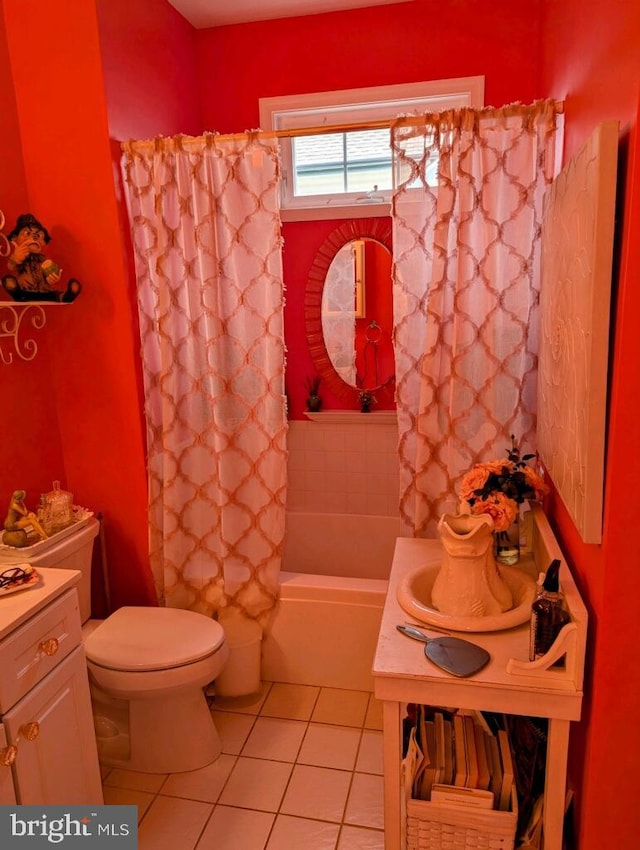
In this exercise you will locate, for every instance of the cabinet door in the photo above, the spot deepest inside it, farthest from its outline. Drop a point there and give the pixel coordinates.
(7, 794)
(60, 765)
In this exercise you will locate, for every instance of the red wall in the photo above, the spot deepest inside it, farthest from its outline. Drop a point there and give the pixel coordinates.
(384, 45)
(127, 69)
(150, 74)
(591, 60)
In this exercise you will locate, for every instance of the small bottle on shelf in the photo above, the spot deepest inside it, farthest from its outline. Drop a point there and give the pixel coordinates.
(548, 613)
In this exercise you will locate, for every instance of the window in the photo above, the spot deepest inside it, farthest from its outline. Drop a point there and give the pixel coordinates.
(350, 171)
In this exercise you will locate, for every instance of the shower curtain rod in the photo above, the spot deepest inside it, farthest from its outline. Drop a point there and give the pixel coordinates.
(376, 125)
(326, 129)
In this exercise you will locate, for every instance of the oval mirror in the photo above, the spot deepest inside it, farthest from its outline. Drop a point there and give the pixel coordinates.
(348, 309)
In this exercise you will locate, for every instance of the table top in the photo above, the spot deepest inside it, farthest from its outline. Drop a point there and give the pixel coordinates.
(403, 673)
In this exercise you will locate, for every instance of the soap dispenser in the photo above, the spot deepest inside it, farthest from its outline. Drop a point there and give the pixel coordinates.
(548, 613)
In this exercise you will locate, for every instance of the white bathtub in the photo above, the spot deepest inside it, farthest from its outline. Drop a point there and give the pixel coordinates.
(324, 628)
(324, 631)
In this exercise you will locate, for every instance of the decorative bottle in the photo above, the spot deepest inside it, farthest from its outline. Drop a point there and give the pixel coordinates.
(548, 613)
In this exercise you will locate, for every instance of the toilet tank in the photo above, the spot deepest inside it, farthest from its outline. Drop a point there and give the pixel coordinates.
(70, 549)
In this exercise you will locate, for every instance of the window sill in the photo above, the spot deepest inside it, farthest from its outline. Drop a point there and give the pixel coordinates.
(339, 212)
(353, 417)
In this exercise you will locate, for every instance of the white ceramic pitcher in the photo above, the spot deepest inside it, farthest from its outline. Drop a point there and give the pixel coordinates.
(469, 582)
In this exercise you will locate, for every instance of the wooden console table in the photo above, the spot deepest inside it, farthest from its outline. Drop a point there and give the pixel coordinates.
(509, 683)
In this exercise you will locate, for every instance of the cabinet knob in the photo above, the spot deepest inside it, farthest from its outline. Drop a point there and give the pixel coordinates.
(50, 646)
(8, 755)
(30, 731)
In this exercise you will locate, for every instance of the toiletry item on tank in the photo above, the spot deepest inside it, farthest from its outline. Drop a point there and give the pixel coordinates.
(548, 613)
(57, 509)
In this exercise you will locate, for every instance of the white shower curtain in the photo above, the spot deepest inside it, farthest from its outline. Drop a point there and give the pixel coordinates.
(207, 244)
(466, 239)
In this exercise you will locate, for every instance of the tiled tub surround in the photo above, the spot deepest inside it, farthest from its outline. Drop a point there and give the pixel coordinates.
(349, 468)
(301, 767)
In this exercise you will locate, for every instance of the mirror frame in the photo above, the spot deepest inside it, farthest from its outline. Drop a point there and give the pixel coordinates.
(366, 228)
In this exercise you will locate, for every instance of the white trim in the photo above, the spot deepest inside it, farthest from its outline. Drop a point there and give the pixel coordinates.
(355, 106)
(357, 100)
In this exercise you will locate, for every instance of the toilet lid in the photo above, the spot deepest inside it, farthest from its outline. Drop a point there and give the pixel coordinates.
(139, 639)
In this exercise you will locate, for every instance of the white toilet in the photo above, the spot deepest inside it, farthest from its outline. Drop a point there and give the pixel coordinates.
(147, 670)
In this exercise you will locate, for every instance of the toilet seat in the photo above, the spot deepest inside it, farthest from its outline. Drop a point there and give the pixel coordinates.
(139, 639)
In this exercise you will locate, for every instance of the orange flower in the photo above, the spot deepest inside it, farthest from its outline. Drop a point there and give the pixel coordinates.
(475, 479)
(500, 508)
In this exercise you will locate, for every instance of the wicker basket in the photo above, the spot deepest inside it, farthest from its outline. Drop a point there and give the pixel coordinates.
(434, 826)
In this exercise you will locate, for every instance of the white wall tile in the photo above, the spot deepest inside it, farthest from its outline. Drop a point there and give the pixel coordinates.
(348, 468)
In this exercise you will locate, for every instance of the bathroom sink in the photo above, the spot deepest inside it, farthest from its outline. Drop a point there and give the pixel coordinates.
(414, 595)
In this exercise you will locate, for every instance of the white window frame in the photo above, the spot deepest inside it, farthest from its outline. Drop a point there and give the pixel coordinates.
(352, 107)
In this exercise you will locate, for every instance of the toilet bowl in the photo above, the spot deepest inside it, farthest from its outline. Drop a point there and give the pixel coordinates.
(147, 671)
(148, 668)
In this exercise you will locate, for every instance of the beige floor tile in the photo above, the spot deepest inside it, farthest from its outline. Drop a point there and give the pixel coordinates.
(151, 782)
(317, 792)
(256, 784)
(344, 708)
(128, 797)
(274, 738)
(205, 784)
(233, 729)
(330, 746)
(294, 702)
(365, 805)
(373, 720)
(236, 829)
(291, 833)
(173, 824)
(357, 838)
(243, 705)
(370, 753)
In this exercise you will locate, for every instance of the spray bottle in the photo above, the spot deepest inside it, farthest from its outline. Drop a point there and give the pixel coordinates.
(548, 613)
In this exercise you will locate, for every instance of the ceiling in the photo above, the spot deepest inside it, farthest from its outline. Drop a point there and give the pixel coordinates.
(215, 13)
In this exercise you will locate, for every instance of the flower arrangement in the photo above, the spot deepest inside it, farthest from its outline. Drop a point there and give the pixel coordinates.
(499, 486)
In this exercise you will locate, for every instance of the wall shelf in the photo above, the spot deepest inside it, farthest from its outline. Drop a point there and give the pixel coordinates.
(353, 417)
(16, 318)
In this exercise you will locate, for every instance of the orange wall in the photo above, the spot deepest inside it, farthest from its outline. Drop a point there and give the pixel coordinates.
(30, 451)
(591, 60)
(90, 347)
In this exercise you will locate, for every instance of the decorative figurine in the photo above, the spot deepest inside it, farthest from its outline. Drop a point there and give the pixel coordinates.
(33, 276)
(18, 519)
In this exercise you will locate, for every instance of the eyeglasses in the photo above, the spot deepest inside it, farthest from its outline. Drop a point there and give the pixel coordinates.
(14, 575)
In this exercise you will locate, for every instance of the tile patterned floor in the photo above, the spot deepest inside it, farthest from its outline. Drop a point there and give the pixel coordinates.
(301, 767)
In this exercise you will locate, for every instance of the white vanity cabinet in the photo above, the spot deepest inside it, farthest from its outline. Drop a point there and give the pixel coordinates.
(509, 683)
(48, 751)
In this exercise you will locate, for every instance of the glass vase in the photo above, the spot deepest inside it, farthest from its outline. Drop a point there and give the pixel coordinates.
(507, 544)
